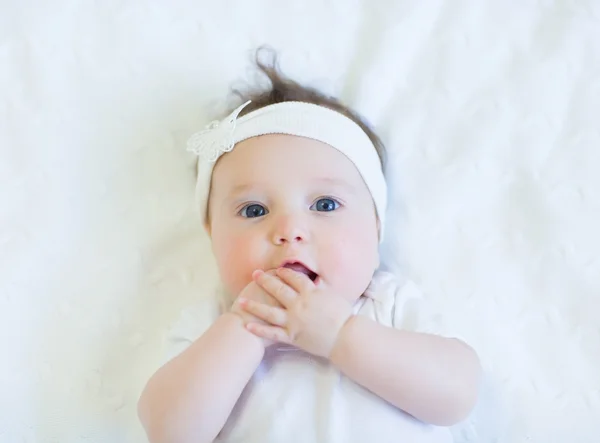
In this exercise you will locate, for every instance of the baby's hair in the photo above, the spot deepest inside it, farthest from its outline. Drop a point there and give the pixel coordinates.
(284, 89)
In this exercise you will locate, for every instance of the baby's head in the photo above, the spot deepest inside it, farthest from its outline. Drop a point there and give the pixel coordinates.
(300, 184)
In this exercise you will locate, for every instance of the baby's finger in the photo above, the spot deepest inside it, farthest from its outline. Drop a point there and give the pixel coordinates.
(296, 280)
(270, 314)
(277, 288)
(273, 333)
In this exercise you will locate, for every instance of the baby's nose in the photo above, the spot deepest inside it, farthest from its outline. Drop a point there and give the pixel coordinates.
(289, 230)
(289, 239)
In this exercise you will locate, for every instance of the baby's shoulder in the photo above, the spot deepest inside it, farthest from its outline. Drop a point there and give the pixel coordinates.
(192, 321)
(397, 301)
(388, 287)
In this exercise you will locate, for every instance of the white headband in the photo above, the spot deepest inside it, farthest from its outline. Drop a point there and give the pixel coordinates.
(293, 118)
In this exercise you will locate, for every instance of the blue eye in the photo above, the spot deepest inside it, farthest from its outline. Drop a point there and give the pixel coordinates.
(253, 210)
(325, 205)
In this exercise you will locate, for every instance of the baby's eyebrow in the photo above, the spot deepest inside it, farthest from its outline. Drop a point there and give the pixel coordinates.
(328, 181)
(241, 188)
(340, 183)
(238, 189)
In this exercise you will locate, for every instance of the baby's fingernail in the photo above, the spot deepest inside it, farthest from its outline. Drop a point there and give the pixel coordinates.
(242, 300)
(256, 273)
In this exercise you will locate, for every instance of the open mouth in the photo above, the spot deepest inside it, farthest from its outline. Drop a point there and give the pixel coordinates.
(299, 267)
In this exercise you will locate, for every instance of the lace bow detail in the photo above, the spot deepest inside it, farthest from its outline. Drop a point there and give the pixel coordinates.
(216, 139)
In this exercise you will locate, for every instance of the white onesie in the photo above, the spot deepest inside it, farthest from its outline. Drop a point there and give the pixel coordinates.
(295, 397)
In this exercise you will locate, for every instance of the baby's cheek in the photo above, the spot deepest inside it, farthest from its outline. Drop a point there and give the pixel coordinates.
(237, 264)
(353, 259)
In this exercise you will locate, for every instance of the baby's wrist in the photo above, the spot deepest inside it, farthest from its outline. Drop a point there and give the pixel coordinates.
(338, 333)
(243, 322)
(337, 348)
(237, 321)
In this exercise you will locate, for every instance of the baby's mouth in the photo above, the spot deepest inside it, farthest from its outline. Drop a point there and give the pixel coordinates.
(299, 267)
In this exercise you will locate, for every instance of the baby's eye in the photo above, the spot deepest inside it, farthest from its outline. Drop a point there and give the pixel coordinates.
(325, 205)
(253, 210)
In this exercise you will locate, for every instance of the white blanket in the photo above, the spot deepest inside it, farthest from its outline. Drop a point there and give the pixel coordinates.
(490, 112)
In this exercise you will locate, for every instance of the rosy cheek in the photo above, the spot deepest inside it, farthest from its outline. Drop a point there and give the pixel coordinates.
(237, 263)
(351, 249)
(340, 248)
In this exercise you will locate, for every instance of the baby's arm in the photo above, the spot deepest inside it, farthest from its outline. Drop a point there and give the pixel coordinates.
(435, 379)
(190, 398)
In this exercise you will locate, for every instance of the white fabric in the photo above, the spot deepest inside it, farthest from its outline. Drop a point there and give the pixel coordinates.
(292, 118)
(295, 397)
(489, 110)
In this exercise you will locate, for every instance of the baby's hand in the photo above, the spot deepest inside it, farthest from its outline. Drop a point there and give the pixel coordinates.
(308, 318)
(254, 292)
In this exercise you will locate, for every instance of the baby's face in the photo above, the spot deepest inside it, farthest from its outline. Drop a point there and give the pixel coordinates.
(278, 199)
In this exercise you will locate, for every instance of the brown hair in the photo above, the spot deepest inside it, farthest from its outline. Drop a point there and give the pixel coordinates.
(284, 89)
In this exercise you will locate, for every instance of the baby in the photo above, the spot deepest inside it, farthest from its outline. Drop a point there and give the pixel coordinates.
(316, 344)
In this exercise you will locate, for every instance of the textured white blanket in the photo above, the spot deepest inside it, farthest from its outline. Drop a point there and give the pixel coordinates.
(490, 111)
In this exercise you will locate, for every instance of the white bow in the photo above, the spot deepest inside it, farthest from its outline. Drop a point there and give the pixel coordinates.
(216, 139)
